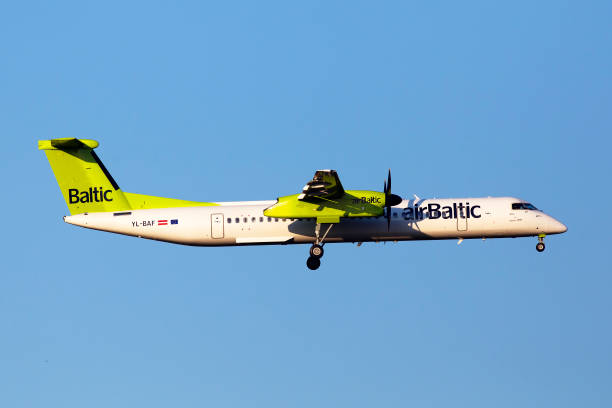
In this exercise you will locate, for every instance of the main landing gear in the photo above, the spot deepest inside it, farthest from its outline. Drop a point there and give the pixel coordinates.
(540, 245)
(316, 250)
(313, 263)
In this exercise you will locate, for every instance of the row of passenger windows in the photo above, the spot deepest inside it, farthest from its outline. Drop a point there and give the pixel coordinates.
(269, 219)
(255, 219)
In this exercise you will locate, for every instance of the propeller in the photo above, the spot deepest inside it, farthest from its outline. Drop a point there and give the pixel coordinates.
(390, 200)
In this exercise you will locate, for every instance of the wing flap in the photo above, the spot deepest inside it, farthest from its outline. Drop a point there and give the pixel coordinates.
(264, 240)
(324, 184)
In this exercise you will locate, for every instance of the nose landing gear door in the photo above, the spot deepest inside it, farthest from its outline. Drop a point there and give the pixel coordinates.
(216, 226)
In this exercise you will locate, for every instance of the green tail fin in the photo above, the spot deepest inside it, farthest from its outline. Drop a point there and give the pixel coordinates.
(84, 181)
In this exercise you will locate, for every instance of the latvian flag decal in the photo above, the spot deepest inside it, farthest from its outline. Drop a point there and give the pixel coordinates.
(165, 222)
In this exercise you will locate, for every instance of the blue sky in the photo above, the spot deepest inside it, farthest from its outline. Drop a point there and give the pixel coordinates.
(243, 101)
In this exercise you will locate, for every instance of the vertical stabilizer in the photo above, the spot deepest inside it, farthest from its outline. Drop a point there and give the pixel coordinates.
(83, 180)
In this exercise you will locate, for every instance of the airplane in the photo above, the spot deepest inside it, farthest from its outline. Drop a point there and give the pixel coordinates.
(323, 212)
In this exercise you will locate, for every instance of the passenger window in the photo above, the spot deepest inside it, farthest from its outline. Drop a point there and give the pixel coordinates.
(237, 220)
(253, 219)
(260, 219)
(245, 219)
(229, 220)
(269, 219)
(276, 220)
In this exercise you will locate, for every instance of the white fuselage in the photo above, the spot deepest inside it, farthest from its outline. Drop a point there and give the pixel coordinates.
(243, 223)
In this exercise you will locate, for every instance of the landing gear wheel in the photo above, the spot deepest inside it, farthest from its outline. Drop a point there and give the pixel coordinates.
(316, 251)
(313, 263)
(540, 246)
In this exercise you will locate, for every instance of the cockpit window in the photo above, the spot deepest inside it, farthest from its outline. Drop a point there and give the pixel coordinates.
(523, 206)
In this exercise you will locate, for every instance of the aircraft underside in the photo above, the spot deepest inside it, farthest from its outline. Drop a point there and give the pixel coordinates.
(245, 224)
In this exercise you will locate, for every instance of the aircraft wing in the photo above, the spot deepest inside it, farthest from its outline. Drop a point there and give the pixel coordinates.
(324, 184)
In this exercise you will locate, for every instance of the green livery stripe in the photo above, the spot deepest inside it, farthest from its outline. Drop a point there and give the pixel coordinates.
(145, 202)
(86, 184)
(353, 203)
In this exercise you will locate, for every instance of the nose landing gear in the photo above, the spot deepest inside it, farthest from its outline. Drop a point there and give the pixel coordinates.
(540, 245)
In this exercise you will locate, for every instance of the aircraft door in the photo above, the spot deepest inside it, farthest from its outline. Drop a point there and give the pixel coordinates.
(216, 226)
(462, 220)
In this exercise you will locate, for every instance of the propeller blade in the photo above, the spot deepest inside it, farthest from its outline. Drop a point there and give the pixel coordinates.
(390, 200)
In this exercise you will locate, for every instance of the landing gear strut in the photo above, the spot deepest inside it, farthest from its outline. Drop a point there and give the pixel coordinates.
(316, 250)
(540, 245)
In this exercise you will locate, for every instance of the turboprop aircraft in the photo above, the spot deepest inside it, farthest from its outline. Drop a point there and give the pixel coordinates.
(323, 212)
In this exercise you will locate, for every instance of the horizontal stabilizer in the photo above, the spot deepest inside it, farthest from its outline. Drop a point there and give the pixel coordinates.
(67, 143)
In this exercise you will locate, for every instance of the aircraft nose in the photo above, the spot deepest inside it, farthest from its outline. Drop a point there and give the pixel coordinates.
(556, 227)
